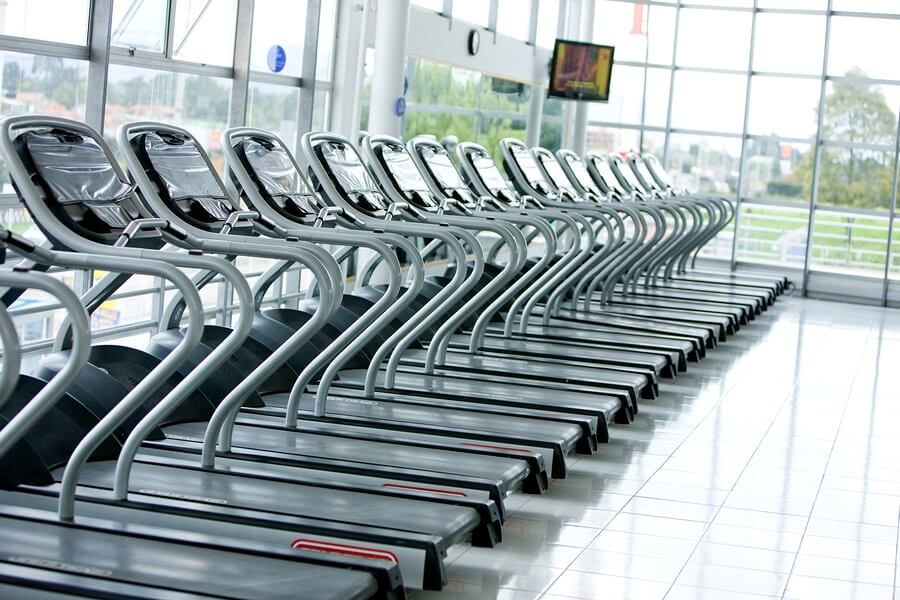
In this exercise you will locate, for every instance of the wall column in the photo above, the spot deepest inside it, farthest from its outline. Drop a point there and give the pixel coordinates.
(586, 34)
(391, 28)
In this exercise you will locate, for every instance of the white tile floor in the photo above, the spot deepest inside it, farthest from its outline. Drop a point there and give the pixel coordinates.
(769, 470)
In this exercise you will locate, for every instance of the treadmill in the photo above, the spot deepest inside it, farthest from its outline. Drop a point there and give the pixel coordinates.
(436, 166)
(400, 178)
(254, 157)
(700, 219)
(405, 423)
(44, 556)
(515, 158)
(668, 296)
(443, 178)
(259, 156)
(323, 512)
(651, 173)
(651, 225)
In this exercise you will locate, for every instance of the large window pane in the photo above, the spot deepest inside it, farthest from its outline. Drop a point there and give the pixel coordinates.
(197, 103)
(654, 142)
(204, 31)
(278, 23)
(858, 111)
(41, 84)
(772, 235)
(435, 83)
(52, 20)
(548, 20)
(704, 163)
(783, 107)
(494, 129)
(777, 170)
(140, 24)
(441, 125)
(489, 100)
(625, 93)
(623, 26)
(327, 30)
(513, 17)
(848, 50)
(551, 124)
(855, 177)
(849, 243)
(612, 139)
(657, 97)
(476, 12)
(437, 5)
(275, 108)
(803, 34)
(713, 38)
(661, 41)
(321, 117)
(709, 101)
(870, 6)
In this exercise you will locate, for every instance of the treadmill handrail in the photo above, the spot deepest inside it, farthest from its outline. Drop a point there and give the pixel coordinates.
(320, 263)
(12, 355)
(80, 352)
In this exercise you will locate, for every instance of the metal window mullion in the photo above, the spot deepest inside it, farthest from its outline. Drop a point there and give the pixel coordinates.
(307, 103)
(158, 299)
(240, 83)
(170, 29)
(98, 63)
(147, 60)
(533, 23)
(43, 47)
(892, 213)
(646, 73)
(673, 69)
(492, 17)
(817, 157)
(742, 164)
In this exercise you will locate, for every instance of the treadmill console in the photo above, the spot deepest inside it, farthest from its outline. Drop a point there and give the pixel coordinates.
(400, 166)
(277, 179)
(178, 167)
(80, 186)
(351, 177)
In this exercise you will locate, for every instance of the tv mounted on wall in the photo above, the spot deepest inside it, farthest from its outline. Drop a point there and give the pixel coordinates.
(581, 71)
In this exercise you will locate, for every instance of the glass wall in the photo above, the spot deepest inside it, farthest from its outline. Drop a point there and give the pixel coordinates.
(743, 98)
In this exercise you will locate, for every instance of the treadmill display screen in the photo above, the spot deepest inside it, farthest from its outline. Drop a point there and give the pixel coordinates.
(276, 173)
(443, 169)
(653, 163)
(557, 175)
(581, 174)
(404, 171)
(490, 174)
(529, 167)
(628, 175)
(348, 170)
(645, 173)
(608, 176)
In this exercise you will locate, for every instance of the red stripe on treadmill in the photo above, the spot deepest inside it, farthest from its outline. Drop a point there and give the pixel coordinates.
(495, 447)
(345, 549)
(424, 489)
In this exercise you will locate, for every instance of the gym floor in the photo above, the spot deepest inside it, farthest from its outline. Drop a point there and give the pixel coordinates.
(769, 470)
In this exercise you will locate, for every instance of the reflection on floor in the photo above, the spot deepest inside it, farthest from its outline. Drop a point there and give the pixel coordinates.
(769, 470)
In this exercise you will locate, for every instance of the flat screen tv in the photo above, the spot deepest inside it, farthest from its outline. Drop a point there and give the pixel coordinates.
(581, 71)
